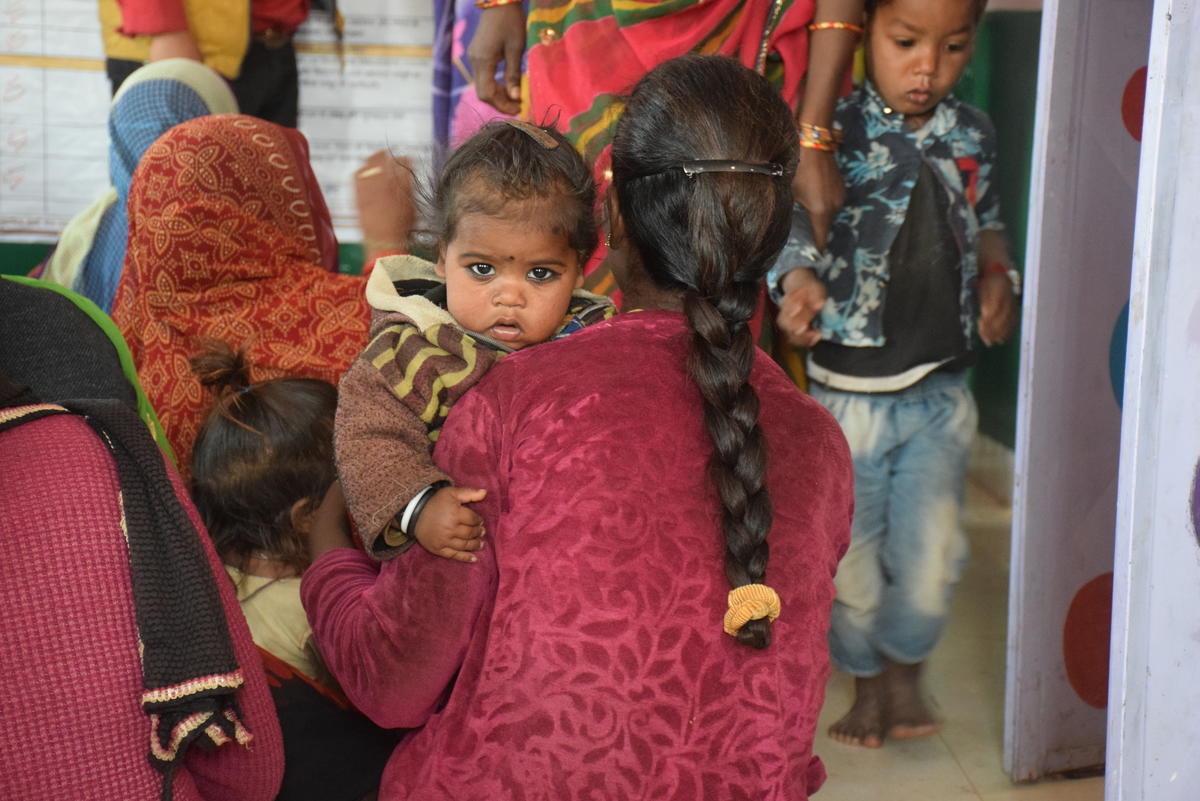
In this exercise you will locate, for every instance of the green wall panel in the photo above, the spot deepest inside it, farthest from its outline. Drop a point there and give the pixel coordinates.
(1002, 79)
(19, 259)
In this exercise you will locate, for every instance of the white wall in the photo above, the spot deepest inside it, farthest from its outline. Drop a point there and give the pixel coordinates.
(1068, 433)
(1154, 733)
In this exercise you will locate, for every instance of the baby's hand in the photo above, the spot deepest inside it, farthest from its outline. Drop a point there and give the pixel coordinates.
(448, 528)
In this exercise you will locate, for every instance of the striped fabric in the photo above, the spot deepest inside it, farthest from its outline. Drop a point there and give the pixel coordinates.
(429, 370)
(421, 358)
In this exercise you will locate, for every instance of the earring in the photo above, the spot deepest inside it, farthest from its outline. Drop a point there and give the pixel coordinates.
(608, 240)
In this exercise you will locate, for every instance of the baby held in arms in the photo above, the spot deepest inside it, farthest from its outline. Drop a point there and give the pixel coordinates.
(514, 212)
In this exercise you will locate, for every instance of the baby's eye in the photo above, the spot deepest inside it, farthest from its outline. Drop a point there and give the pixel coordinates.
(542, 274)
(481, 270)
(905, 43)
(956, 47)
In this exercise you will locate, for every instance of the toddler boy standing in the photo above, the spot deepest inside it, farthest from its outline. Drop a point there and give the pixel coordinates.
(916, 263)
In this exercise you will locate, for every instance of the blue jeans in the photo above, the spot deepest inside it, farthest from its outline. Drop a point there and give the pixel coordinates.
(907, 547)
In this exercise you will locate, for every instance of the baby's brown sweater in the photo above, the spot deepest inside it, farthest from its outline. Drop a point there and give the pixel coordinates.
(396, 395)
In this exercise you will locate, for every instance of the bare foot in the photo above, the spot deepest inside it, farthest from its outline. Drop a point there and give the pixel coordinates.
(908, 715)
(864, 724)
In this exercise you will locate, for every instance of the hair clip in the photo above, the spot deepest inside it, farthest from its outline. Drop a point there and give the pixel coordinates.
(692, 168)
(535, 133)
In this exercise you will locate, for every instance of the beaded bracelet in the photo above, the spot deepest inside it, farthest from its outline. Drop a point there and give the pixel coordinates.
(835, 26)
(486, 4)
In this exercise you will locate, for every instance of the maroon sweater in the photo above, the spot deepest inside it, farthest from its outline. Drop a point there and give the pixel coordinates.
(71, 673)
(587, 641)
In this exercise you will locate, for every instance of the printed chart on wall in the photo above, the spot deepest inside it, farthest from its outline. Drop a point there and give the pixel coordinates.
(54, 98)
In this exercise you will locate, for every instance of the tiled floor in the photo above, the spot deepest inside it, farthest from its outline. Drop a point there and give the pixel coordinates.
(966, 682)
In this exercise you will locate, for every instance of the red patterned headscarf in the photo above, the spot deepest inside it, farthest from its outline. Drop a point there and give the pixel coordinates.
(230, 239)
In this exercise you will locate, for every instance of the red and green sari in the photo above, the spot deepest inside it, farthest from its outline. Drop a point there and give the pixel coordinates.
(583, 56)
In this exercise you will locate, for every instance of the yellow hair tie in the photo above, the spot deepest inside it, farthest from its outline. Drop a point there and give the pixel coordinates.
(750, 602)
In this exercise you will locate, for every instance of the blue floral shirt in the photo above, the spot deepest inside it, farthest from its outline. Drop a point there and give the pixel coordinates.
(880, 159)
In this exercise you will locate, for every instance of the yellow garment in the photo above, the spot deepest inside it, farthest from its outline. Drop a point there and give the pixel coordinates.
(76, 242)
(221, 29)
(277, 620)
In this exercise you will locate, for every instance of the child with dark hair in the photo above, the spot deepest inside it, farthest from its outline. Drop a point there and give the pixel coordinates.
(916, 263)
(513, 209)
(262, 462)
(261, 466)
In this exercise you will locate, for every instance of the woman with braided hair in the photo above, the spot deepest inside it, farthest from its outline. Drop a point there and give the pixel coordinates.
(664, 512)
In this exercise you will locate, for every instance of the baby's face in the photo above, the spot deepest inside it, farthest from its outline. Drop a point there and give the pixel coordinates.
(508, 278)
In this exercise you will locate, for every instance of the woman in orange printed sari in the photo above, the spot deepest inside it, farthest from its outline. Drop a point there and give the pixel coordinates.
(230, 239)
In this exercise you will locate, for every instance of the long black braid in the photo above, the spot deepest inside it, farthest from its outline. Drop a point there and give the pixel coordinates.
(713, 236)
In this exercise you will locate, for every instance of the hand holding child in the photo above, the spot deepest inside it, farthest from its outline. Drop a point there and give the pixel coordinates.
(804, 295)
(327, 527)
(819, 188)
(448, 528)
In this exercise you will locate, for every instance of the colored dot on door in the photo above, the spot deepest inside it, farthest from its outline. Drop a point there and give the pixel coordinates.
(1133, 103)
(1086, 640)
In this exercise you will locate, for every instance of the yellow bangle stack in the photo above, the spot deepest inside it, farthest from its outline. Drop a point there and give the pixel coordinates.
(835, 26)
(816, 137)
(485, 4)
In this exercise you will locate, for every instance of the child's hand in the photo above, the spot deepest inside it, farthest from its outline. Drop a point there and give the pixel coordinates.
(997, 309)
(804, 296)
(448, 528)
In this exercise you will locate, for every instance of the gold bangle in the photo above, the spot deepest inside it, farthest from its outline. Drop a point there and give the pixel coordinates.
(486, 4)
(818, 133)
(816, 137)
(835, 26)
(818, 146)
